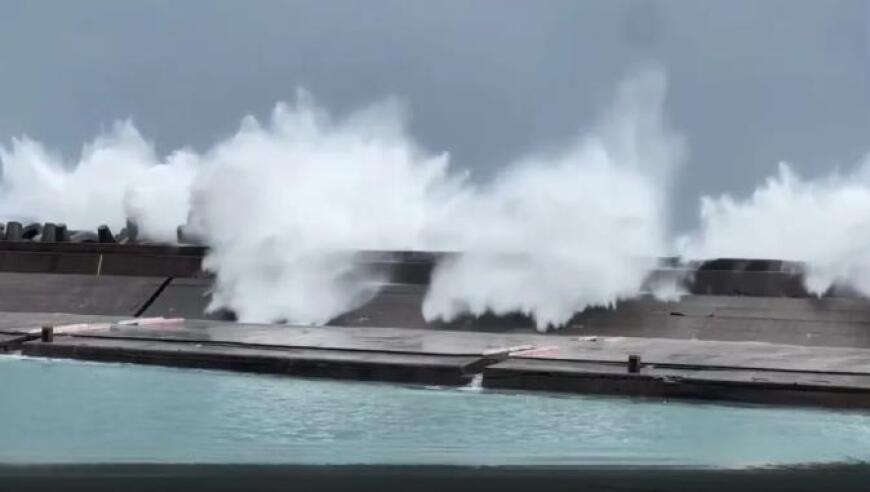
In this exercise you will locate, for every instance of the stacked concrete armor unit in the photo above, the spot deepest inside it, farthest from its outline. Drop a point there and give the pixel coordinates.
(746, 331)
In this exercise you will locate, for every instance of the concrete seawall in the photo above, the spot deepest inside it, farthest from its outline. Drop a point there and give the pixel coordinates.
(747, 333)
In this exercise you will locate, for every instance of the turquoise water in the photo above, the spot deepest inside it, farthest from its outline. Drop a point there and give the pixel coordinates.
(54, 411)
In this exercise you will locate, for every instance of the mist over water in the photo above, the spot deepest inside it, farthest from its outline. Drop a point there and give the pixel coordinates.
(823, 222)
(283, 204)
(583, 226)
(118, 175)
(551, 235)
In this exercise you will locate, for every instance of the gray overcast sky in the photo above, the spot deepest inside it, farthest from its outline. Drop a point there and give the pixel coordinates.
(752, 82)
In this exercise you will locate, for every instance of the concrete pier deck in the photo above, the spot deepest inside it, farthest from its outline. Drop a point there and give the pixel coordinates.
(670, 368)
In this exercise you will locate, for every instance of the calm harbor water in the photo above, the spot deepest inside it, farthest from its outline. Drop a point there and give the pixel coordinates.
(55, 411)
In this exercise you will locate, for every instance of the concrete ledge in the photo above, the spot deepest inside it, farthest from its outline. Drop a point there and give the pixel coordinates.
(723, 277)
(712, 370)
(829, 321)
(103, 248)
(339, 364)
(10, 342)
(749, 386)
(22, 323)
(149, 477)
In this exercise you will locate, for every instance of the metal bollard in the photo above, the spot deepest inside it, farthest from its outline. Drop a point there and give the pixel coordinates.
(634, 363)
(47, 334)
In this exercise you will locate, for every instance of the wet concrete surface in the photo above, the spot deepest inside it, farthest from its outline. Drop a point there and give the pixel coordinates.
(341, 364)
(742, 371)
(657, 351)
(76, 294)
(23, 322)
(10, 342)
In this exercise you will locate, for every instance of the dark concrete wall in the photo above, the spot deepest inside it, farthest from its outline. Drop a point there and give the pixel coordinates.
(837, 322)
(734, 299)
(717, 277)
(102, 259)
(77, 294)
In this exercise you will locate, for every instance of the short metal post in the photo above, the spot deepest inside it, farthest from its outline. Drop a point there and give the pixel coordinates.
(634, 363)
(47, 334)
